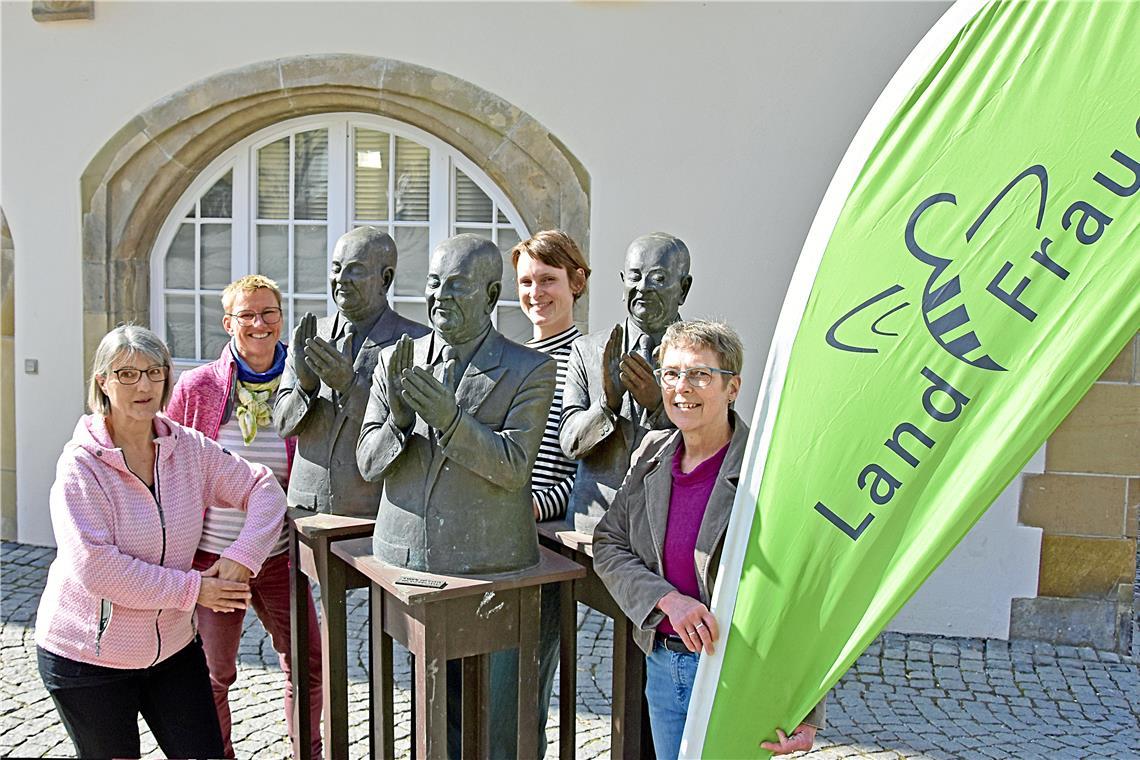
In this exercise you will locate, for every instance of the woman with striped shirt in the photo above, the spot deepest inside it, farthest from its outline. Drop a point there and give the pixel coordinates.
(551, 274)
(230, 400)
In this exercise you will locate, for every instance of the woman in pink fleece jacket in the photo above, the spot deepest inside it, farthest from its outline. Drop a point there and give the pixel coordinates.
(115, 629)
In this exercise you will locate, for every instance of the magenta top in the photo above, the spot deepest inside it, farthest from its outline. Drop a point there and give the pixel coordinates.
(687, 505)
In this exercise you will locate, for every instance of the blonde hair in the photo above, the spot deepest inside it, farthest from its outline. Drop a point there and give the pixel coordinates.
(125, 339)
(717, 337)
(556, 249)
(248, 284)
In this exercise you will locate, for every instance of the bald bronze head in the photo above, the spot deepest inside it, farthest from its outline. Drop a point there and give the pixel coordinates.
(363, 268)
(656, 280)
(463, 285)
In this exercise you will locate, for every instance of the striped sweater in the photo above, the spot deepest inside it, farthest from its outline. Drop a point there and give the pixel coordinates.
(553, 476)
(203, 398)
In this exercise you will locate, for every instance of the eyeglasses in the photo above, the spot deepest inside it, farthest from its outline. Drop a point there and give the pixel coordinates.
(246, 318)
(130, 375)
(698, 377)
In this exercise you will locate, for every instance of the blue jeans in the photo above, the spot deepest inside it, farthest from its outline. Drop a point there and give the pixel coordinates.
(669, 680)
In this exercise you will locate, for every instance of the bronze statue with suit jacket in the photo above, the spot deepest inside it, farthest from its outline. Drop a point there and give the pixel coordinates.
(611, 399)
(324, 388)
(453, 427)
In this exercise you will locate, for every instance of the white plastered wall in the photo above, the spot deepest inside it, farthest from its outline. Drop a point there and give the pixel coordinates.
(721, 123)
(969, 593)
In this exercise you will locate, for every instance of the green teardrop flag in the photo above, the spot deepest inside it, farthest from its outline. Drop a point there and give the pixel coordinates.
(981, 270)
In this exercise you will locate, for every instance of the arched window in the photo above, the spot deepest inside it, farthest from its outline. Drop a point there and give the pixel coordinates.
(276, 202)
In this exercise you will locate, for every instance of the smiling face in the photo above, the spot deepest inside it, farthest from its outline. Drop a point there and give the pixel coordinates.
(140, 401)
(545, 295)
(656, 280)
(360, 274)
(691, 409)
(463, 286)
(255, 341)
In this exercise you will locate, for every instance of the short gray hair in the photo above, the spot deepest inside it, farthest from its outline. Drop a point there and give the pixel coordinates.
(717, 337)
(129, 339)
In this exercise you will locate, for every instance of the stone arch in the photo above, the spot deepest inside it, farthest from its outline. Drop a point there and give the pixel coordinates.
(130, 187)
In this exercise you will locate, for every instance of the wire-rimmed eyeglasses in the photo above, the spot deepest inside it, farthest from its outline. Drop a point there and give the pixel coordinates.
(698, 377)
(270, 316)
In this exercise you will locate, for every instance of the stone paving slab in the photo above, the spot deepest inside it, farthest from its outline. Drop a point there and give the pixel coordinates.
(907, 696)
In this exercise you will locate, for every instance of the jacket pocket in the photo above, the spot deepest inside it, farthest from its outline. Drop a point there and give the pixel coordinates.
(105, 611)
(390, 553)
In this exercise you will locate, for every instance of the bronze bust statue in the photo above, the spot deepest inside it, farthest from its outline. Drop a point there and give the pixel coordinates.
(453, 426)
(324, 388)
(611, 398)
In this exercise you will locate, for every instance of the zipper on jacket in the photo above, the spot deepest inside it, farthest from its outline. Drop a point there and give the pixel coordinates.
(157, 635)
(105, 611)
(161, 515)
(154, 492)
(162, 555)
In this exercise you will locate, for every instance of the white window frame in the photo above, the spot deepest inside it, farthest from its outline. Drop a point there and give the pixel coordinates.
(241, 159)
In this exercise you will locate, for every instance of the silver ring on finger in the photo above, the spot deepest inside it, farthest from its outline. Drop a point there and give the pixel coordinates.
(699, 626)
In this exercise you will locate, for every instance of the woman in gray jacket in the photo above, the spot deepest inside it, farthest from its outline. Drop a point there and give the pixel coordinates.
(658, 547)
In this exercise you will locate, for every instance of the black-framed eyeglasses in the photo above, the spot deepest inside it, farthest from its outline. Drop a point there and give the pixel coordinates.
(130, 375)
(698, 377)
(269, 316)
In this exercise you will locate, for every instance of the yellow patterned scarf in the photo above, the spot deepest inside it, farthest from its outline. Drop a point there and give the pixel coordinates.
(253, 409)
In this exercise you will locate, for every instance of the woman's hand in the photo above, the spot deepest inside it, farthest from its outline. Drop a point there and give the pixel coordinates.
(800, 740)
(221, 595)
(692, 620)
(228, 570)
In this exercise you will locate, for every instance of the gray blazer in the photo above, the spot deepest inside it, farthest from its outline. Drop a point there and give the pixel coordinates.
(462, 505)
(324, 476)
(629, 540)
(590, 433)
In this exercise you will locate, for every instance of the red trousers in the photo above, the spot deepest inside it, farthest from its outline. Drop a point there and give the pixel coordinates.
(221, 635)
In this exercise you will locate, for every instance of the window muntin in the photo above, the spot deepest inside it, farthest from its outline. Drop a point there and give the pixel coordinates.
(198, 265)
(291, 228)
(277, 202)
(476, 212)
(392, 180)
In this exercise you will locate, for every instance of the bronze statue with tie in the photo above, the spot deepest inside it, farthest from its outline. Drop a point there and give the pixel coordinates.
(453, 427)
(324, 388)
(611, 398)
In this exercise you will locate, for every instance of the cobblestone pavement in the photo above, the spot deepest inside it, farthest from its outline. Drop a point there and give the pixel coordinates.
(906, 697)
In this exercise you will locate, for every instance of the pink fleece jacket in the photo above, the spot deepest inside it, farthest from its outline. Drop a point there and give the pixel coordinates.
(121, 591)
(200, 397)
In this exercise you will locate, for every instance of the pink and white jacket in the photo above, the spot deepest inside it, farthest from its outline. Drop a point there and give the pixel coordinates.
(202, 396)
(121, 592)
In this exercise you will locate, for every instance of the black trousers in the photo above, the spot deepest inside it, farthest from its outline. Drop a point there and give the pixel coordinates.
(100, 706)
